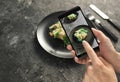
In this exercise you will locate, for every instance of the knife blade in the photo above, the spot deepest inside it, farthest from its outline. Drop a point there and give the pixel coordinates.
(104, 16)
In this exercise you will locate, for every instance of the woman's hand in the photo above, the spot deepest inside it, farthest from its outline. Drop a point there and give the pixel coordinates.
(98, 70)
(107, 51)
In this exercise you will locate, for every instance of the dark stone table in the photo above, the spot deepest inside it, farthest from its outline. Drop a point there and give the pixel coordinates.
(21, 57)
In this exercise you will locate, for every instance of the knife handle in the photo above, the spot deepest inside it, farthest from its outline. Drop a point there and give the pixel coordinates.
(114, 24)
(109, 33)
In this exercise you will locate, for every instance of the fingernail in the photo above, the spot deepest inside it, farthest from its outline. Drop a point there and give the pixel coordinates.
(94, 29)
(83, 42)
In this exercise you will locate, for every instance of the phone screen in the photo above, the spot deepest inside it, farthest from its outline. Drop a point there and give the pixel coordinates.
(77, 30)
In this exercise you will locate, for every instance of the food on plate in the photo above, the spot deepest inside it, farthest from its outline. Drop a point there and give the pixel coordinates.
(81, 34)
(71, 18)
(57, 31)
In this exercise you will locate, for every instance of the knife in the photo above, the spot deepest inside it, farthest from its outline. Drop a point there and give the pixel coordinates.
(104, 16)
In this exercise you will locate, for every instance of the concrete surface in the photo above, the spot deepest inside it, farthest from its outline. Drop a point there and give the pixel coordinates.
(21, 57)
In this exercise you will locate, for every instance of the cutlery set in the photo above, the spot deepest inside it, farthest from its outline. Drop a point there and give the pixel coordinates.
(97, 23)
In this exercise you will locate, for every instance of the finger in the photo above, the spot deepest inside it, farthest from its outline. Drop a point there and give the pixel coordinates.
(105, 62)
(81, 61)
(92, 55)
(69, 47)
(73, 53)
(77, 60)
(99, 34)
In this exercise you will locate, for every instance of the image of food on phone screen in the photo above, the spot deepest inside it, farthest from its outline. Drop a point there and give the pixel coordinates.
(77, 30)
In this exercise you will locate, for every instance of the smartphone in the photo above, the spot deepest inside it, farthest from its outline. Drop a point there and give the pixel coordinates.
(77, 29)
